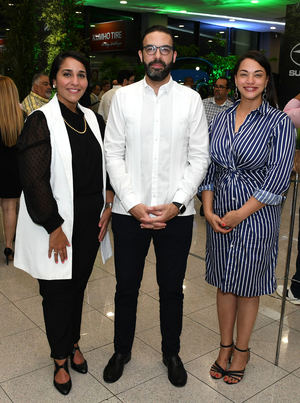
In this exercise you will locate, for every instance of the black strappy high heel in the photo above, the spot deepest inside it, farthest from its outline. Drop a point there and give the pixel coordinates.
(217, 367)
(237, 375)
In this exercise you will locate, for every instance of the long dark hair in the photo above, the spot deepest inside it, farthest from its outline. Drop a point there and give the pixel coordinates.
(263, 61)
(57, 62)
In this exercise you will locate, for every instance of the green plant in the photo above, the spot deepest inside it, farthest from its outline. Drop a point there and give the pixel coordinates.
(63, 20)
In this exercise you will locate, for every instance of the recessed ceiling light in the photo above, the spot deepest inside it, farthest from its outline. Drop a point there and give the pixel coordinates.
(123, 2)
(272, 27)
(176, 36)
(197, 68)
(210, 40)
(78, 12)
(181, 26)
(221, 32)
(92, 25)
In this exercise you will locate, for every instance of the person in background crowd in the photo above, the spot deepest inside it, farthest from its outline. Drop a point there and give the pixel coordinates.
(219, 102)
(39, 95)
(123, 80)
(252, 147)
(189, 82)
(94, 95)
(292, 109)
(105, 86)
(216, 104)
(65, 208)
(156, 146)
(11, 124)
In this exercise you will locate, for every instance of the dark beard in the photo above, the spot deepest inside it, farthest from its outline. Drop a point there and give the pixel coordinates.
(160, 74)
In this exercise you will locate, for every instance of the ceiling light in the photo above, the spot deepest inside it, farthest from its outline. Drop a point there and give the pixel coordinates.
(254, 1)
(221, 32)
(123, 2)
(197, 68)
(92, 25)
(210, 40)
(181, 26)
(176, 36)
(272, 27)
(78, 12)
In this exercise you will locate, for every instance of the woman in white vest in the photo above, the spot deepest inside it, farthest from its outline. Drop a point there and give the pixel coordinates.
(65, 194)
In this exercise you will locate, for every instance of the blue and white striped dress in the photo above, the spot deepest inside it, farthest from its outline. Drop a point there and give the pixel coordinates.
(255, 161)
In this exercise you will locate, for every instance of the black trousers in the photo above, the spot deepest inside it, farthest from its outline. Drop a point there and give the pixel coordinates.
(131, 244)
(295, 284)
(63, 299)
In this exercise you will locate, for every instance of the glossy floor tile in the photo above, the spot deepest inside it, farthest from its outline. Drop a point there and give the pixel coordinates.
(26, 370)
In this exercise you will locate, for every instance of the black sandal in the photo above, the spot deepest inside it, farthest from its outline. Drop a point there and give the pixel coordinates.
(81, 368)
(237, 375)
(217, 367)
(63, 388)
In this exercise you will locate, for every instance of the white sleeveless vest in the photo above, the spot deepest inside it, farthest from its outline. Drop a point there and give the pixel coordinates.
(32, 240)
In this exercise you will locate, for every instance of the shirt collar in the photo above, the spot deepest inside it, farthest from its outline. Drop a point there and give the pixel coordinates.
(164, 88)
(39, 97)
(225, 103)
(263, 108)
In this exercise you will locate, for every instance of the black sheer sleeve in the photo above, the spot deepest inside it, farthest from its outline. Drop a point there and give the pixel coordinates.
(102, 131)
(34, 159)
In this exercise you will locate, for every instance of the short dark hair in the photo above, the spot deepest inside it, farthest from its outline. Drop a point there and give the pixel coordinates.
(157, 28)
(224, 78)
(37, 76)
(57, 62)
(261, 59)
(123, 75)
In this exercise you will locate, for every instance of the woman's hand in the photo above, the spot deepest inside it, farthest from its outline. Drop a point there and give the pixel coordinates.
(103, 223)
(231, 219)
(216, 223)
(58, 243)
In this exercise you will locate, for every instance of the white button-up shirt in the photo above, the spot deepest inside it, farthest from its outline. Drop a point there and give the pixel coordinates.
(156, 146)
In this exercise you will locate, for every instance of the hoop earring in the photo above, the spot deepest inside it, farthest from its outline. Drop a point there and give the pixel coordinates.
(236, 94)
(264, 96)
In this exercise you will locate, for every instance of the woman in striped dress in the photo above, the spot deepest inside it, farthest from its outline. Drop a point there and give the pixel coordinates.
(252, 149)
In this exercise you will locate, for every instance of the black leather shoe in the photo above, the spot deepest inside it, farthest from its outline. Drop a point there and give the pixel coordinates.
(176, 373)
(81, 368)
(114, 369)
(63, 388)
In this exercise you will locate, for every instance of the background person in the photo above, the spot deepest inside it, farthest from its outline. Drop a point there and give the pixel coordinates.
(11, 124)
(40, 93)
(219, 102)
(63, 174)
(252, 150)
(123, 80)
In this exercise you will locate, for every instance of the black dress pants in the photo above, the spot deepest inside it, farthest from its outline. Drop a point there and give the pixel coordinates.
(131, 244)
(63, 299)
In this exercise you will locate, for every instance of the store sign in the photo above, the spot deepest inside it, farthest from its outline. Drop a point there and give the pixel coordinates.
(108, 36)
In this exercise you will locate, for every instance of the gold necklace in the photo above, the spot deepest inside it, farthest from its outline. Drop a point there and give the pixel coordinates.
(77, 131)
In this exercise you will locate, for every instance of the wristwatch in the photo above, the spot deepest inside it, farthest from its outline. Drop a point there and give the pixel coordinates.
(108, 205)
(181, 207)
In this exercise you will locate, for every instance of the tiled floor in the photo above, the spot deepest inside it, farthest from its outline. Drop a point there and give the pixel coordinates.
(26, 370)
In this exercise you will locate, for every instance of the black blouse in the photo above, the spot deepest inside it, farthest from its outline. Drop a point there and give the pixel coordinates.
(35, 160)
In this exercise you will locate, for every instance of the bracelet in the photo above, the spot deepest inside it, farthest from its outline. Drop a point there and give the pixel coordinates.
(108, 205)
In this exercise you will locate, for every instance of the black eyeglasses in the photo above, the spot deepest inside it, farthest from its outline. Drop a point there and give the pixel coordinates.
(221, 87)
(152, 49)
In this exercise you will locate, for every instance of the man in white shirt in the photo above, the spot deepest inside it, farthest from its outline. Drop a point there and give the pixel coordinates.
(156, 146)
(123, 79)
(219, 102)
